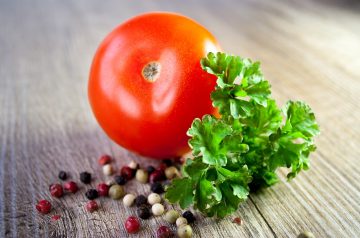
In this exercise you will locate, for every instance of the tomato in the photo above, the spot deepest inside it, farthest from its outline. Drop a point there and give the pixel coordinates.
(146, 85)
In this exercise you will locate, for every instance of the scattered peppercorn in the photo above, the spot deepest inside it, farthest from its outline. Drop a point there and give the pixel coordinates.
(71, 186)
(306, 234)
(91, 206)
(237, 220)
(142, 176)
(120, 180)
(150, 169)
(107, 169)
(172, 172)
(55, 217)
(184, 231)
(132, 225)
(116, 192)
(127, 172)
(157, 175)
(144, 212)
(140, 200)
(43, 206)
(162, 166)
(164, 232)
(62, 175)
(171, 216)
(129, 199)
(103, 189)
(168, 162)
(153, 198)
(105, 159)
(85, 177)
(56, 190)
(92, 194)
(181, 221)
(157, 209)
(156, 187)
(133, 165)
(189, 216)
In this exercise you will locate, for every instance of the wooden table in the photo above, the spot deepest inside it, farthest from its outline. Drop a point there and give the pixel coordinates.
(309, 51)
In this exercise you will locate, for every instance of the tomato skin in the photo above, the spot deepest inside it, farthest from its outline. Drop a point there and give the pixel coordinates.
(151, 118)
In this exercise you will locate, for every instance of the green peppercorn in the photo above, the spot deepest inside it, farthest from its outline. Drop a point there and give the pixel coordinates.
(116, 192)
(171, 216)
(184, 231)
(306, 234)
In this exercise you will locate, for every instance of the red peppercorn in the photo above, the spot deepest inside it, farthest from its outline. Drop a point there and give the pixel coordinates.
(164, 232)
(162, 166)
(127, 172)
(56, 190)
(237, 220)
(71, 186)
(43, 206)
(55, 217)
(91, 206)
(105, 159)
(103, 189)
(132, 225)
(157, 175)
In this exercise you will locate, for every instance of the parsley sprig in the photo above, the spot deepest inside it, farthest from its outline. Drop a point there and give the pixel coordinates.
(242, 150)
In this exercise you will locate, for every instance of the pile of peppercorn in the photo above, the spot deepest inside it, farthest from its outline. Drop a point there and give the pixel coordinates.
(146, 207)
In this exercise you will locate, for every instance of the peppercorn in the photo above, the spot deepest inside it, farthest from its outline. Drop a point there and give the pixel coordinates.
(140, 200)
(62, 175)
(157, 209)
(150, 169)
(127, 172)
(154, 198)
(71, 186)
(143, 212)
(43, 206)
(133, 165)
(184, 231)
(56, 190)
(172, 172)
(103, 189)
(129, 199)
(164, 232)
(142, 176)
(168, 162)
(157, 175)
(91, 206)
(171, 216)
(120, 180)
(181, 221)
(189, 216)
(92, 194)
(107, 169)
(116, 192)
(105, 159)
(132, 225)
(85, 177)
(306, 234)
(162, 166)
(157, 188)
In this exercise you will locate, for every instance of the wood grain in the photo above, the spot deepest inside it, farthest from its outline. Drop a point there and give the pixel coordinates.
(308, 49)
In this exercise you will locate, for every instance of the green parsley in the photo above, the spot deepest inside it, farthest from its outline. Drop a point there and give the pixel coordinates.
(241, 151)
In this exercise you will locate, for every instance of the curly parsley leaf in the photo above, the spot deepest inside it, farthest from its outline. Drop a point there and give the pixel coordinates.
(241, 151)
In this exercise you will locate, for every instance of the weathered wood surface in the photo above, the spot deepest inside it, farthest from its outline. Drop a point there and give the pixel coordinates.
(309, 51)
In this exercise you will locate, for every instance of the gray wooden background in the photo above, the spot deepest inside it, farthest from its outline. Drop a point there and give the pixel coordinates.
(309, 51)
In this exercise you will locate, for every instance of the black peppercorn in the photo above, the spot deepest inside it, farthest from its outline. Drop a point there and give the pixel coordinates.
(120, 180)
(140, 200)
(168, 162)
(157, 188)
(85, 177)
(91, 194)
(189, 216)
(150, 169)
(143, 212)
(62, 175)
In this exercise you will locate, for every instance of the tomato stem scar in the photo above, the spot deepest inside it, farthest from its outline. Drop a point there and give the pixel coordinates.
(151, 71)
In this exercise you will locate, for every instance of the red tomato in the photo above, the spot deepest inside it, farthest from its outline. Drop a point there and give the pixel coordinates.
(146, 85)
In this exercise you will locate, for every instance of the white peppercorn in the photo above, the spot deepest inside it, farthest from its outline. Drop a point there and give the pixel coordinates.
(172, 172)
(107, 169)
(142, 176)
(157, 209)
(133, 165)
(154, 198)
(129, 199)
(171, 216)
(181, 221)
(184, 231)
